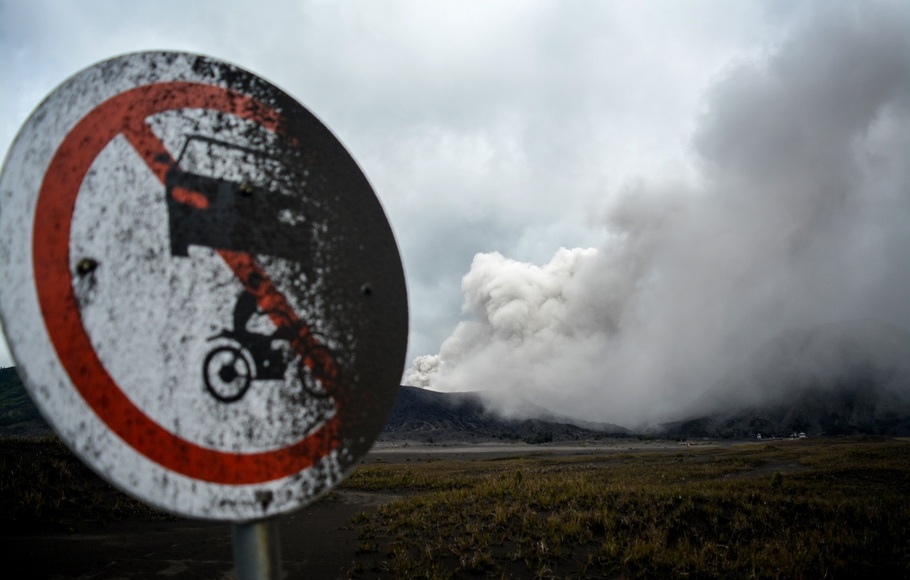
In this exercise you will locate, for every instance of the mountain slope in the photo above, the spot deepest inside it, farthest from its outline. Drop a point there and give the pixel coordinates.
(418, 415)
(18, 415)
(838, 379)
(430, 416)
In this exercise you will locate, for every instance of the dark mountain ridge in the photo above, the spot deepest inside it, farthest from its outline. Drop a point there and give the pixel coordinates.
(836, 379)
(429, 416)
(419, 415)
(862, 409)
(19, 417)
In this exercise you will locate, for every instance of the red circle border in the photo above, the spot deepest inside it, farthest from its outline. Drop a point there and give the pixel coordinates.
(54, 284)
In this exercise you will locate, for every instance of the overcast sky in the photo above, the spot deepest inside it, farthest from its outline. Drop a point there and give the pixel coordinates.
(542, 142)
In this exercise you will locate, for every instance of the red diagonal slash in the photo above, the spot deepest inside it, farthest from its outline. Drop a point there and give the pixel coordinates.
(245, 267)
(126, 113)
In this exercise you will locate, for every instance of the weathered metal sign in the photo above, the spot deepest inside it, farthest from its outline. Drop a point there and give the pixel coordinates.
(200, 289)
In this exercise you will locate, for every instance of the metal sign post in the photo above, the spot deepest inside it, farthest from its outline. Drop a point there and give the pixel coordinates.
(257, 550)
(201, 290)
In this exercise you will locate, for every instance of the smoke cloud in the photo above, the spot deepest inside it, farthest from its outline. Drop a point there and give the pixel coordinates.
(796, 216)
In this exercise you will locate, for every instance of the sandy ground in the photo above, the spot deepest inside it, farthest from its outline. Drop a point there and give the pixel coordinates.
(316, 541)
(396, 452)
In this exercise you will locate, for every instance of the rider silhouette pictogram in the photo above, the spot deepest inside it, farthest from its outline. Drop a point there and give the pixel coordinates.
(233, 198)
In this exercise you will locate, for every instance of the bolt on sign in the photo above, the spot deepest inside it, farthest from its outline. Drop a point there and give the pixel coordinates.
(200, 288)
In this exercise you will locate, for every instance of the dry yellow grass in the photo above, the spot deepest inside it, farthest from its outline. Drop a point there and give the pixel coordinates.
(835, 508)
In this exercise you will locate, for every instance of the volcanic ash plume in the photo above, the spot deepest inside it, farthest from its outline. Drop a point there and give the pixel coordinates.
(798, 218)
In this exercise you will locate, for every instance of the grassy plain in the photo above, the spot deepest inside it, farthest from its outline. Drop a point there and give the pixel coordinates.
(826, 508)
(44, 487)
(823, 508)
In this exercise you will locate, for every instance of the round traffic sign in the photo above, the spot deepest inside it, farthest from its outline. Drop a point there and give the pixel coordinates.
(201, 291)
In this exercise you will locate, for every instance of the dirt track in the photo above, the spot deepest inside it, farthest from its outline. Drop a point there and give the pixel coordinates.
(399, 452)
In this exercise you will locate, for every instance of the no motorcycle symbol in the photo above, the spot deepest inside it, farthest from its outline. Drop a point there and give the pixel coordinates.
(200, 202)
(220, 301)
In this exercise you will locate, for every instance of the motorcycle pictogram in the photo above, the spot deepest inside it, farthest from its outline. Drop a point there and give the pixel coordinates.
(218, 195)
(241, 357)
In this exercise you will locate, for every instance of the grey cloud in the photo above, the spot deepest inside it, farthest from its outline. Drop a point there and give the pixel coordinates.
(796, 218)
(513, 117)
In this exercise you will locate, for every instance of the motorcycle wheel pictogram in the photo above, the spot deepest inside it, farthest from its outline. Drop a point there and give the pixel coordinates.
(227, 373)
